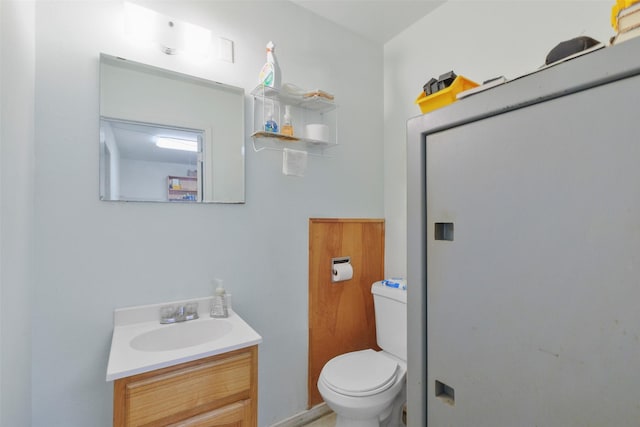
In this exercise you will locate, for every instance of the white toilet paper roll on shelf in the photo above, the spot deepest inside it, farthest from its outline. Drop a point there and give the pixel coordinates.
(341, 272)
(317, 132)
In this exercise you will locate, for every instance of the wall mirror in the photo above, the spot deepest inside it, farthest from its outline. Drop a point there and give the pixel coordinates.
(168, 137)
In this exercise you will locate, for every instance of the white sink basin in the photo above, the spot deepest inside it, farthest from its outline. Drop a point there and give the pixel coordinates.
(181, 335)
(141, 344)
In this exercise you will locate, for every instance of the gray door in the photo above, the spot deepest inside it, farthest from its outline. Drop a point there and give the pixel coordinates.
(533, 265)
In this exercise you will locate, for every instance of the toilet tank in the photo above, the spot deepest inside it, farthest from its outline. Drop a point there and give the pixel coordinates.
(391, 319)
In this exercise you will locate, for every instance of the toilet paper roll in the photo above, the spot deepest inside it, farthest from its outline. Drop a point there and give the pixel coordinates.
(342, 271)
(317, 132)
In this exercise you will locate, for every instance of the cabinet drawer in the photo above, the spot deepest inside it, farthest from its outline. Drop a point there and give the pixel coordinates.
(234, 415)
(185, 390)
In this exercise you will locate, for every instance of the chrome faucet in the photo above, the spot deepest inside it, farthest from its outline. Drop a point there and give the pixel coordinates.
(178, 313)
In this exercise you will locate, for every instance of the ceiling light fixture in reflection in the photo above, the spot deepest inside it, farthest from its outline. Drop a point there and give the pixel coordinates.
(177, 144)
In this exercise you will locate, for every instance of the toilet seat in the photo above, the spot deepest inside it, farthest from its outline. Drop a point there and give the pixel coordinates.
(360, 373)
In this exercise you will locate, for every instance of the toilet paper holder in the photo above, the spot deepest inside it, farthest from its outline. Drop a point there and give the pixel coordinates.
(335, 262)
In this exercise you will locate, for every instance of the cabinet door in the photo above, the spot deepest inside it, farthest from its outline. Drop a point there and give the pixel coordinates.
(185, 391)
(237, 414)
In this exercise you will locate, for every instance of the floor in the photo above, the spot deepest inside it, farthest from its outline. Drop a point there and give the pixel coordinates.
(328, 420)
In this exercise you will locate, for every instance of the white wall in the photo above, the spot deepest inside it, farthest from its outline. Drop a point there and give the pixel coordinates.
(17, 43)
(93, 256)
(477, 39)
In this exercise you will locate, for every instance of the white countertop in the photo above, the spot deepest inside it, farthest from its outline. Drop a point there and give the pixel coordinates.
(131, 322)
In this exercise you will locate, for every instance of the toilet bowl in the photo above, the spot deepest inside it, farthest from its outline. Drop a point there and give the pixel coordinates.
(361, 387)
(366, 388)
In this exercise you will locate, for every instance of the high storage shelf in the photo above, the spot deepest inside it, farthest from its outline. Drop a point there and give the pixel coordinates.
(182, 188)
(304, 110)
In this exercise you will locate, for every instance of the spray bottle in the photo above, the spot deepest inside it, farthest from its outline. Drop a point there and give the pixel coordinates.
(270, 74)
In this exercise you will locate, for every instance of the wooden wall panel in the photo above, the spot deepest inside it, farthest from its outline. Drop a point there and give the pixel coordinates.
(341, 315)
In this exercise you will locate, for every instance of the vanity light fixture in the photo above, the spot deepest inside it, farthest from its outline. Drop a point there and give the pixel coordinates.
(139, 24)
(177, 143)
(149, 27)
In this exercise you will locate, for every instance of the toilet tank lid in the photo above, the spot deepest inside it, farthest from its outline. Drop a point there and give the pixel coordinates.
(379, 288)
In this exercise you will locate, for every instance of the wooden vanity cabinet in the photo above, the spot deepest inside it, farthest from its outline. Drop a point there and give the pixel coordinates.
(216, 391)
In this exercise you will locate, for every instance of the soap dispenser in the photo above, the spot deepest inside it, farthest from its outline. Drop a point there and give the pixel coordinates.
(270, 125)
(219, 301)
(287, 127)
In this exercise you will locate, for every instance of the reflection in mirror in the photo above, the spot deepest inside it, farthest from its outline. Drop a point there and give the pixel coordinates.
(144, 162)
(168, 137)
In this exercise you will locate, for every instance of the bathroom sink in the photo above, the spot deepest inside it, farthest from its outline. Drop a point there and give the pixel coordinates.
(141, 344)
(181, 335)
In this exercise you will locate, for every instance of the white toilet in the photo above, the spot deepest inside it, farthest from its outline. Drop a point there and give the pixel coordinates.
(367, 388)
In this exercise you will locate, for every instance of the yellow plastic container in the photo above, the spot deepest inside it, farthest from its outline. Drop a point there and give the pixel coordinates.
(445, 96)
(615, 10)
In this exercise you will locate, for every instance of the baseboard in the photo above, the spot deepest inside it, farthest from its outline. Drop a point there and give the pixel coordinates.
(304, 417)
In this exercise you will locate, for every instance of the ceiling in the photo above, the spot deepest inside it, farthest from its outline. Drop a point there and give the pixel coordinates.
(377, 20)
(136, 141)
